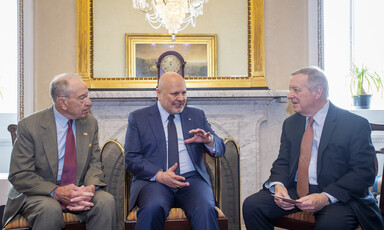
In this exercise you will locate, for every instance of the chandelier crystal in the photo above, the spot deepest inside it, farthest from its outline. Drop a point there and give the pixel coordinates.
(174, 15)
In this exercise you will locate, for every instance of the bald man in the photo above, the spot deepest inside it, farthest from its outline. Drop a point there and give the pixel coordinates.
(45, 181)
(159, 183)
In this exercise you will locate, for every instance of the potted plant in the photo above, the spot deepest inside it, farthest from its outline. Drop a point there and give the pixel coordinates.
(361, 85)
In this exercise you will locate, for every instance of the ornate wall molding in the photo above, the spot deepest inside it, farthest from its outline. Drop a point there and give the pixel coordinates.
(256, 55)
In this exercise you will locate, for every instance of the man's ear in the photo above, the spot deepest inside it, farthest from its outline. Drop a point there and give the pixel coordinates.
(62, 103)
(318, 91)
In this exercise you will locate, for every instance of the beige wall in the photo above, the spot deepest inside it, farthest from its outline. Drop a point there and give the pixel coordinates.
(54, 44)
(286, 42)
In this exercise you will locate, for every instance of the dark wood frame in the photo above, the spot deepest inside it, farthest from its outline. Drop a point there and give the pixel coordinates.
(163, 55)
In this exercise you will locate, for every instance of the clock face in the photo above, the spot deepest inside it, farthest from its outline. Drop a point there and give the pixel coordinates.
(170, 63)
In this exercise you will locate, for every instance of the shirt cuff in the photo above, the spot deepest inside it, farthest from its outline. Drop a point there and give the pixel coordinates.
(211, 150)
(154, 177)
(331, 198)
(271, 185)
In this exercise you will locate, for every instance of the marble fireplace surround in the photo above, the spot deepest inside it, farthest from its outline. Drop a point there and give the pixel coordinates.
(253, 118)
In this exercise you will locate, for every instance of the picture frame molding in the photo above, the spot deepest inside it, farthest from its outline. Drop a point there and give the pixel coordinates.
(210, 40)
(256, 55)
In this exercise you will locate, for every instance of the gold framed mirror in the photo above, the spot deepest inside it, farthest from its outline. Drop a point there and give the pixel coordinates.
(255, 49)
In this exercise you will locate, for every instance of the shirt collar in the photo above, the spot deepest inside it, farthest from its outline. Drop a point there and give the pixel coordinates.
(60, 118)
(164, 114)
(320, 116)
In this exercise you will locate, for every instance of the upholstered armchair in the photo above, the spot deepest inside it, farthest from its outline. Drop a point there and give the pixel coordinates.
(176, 218)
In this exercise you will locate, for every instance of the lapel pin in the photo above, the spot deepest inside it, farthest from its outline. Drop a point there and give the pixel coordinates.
(90, 144)
(85, 134)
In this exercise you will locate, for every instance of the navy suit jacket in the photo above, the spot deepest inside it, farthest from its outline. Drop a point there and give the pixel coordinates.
(345, 163)
(146, 150)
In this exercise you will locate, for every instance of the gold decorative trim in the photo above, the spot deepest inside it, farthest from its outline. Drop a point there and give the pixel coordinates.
(234, 142)
(114, 141)
(20, 56)
(256, 45)
(125, 174)
(210, 40)
(256, 55)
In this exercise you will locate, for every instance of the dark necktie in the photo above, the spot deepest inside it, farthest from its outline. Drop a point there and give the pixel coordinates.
(68, 175)
(173, 149)
(305, 156)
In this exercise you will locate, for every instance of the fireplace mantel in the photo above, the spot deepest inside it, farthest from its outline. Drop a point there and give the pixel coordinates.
(148, 94)
(253, 118)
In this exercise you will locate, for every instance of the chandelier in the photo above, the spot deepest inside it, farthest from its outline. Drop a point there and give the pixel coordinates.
(174, 15)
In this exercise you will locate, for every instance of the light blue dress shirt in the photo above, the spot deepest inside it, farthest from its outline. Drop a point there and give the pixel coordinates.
(62, 127)
(318, 124)
(185, 161)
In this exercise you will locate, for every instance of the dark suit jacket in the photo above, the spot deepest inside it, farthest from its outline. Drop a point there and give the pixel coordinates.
(345, 163)
(34, 161)
(145, 145)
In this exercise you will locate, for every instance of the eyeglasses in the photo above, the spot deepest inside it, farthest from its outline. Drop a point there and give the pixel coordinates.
(81, 98)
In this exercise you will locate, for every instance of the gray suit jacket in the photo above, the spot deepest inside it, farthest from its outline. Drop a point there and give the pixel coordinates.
(34, 161)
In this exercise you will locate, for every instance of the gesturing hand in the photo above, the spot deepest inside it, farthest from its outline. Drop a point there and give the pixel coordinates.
(200, 136)
(170, 179)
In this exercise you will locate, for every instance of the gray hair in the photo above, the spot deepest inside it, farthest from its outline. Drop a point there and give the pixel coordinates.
(316, 77)
(60, 85)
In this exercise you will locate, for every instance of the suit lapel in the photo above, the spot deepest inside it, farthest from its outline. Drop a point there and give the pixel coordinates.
(298, 133)
(329, 126)
(82, 146)
(186, 124)
(49, 138)
(154, 120)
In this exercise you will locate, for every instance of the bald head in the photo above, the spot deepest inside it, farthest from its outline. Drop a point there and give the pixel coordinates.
(172, 92)
(169, 77)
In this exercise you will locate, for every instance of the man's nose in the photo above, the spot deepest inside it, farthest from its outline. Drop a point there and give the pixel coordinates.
(88, 101)
(180, 97)
(290, 95)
